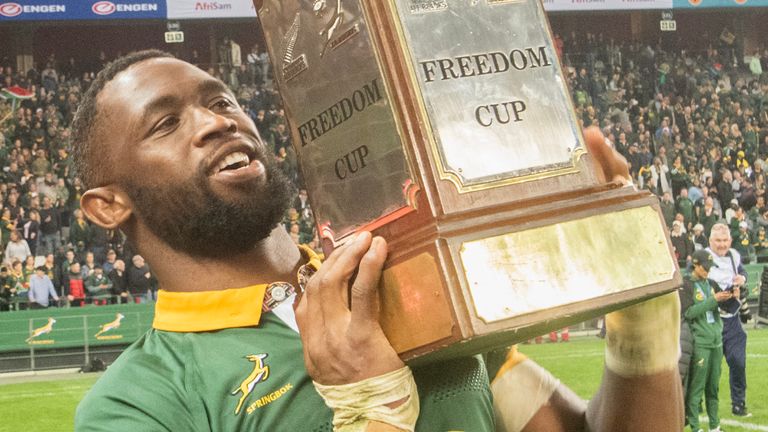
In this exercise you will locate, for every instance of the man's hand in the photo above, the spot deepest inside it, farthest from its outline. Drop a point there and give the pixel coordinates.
(612, 165)
(343, 341)
(736, 292)
(722, 296)
(739, 280)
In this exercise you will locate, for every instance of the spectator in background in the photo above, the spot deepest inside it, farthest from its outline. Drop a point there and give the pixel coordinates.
(754, 64)
(708, 216)
(99, 286)
(110, 261)
(16, 280)
(31, 231)
(75, 290)
(682, 246)
(7, 226)
(684, 206)
(88, 265)
(49, 227)
(52, 272)
(7, 291)
(140, 280)
(17, 248)
(668, 208)
(66, 264)
(700, 240)
(119, 281)
(41, 290)
(79, 232)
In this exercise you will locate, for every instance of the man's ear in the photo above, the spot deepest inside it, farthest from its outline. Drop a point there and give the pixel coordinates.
(106, 206)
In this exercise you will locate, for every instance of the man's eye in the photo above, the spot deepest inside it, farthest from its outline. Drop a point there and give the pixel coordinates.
(167, 123)
(223, 104)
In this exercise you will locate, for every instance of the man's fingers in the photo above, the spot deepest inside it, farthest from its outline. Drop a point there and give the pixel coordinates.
(334, 279)
(613, 165)
(365, 306)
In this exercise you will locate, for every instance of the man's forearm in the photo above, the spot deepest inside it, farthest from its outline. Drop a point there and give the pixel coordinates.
(650, 402)
(641, 386)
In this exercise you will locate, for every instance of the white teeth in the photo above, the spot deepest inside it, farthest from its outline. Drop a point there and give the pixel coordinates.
(234, 158)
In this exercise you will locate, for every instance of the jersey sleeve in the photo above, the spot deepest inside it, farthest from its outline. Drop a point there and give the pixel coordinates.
(137, 394)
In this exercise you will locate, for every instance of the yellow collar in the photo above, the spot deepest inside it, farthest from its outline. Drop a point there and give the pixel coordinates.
(215, 310)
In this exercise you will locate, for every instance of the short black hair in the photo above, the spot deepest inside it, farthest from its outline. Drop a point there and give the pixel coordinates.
(87, 112)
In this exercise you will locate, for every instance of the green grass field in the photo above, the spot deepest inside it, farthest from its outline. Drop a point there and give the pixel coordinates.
(577, 363)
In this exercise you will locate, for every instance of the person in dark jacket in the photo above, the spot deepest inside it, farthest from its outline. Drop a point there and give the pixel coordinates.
(140, 280)
(50, 224)
(700, 300)
(119, 281)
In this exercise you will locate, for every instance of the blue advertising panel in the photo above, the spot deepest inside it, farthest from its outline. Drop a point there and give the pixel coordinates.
(43, 10)
(34, 10)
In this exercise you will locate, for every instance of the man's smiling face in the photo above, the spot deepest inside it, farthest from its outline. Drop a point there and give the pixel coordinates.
(189, 158)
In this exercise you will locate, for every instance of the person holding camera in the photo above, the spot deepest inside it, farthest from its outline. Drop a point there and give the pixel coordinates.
(730, 275)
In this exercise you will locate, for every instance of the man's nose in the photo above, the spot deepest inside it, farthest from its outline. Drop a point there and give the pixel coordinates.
(213, 126)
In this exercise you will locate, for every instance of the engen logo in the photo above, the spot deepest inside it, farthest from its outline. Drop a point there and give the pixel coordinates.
(103, 8)
(108, 8)
(14, 9)
(10, 9)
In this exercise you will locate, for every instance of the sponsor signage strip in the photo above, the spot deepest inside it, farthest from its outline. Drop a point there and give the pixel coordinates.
(46, 10)
(67, 328)
(62, 10)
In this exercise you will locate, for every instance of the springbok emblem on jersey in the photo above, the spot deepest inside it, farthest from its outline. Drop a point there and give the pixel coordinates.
(259, 374)
(42, 330)
(110, 325)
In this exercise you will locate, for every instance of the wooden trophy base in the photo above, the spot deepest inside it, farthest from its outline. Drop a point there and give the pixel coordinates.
(480, 281)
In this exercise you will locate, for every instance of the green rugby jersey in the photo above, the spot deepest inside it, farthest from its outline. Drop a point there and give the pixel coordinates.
(211, 363)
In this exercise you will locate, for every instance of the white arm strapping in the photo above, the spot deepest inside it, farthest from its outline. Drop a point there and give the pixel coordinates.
(519, 393)
(354, 405)
(644, 339)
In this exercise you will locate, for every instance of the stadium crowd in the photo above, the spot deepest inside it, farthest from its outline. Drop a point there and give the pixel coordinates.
(693, 127)
(696, 135)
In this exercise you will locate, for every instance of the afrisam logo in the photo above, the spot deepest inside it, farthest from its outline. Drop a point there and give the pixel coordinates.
(103, 8)
(110, 326)
(41, 331)
(259, 374)
(10, 9)
(694, 2)
(212, 6)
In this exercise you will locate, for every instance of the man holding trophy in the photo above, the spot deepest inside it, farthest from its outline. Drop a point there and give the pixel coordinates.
(252, 333)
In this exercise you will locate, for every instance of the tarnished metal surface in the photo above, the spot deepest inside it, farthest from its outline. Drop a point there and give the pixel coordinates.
(414, 309)
(492, 88)
(348, 144)
(517, 273)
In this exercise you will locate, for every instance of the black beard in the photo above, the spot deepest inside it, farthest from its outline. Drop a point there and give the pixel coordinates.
(191, 218)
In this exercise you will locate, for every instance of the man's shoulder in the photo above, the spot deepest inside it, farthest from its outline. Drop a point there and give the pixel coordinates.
(144, 389)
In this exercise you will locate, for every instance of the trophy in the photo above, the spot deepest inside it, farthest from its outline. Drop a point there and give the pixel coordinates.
(446, 127)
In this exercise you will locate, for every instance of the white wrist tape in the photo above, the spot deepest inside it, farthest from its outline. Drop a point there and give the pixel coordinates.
(644, 339)
(519, 393)
(354, 405)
